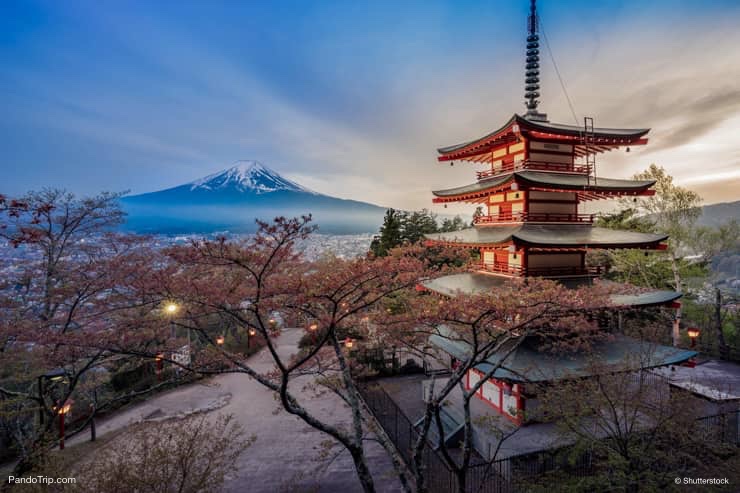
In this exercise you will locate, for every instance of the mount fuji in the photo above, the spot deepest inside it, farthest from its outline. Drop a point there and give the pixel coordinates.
(232, 199)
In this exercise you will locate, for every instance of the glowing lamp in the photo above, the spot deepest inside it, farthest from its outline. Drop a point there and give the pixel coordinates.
(252, 332)
(314, 326)
(220, 340)
(170, 308)
(65, 408)
(693, 334)
(272, 321)
(348, 343)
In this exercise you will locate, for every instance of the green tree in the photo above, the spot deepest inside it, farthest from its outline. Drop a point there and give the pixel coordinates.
(674, 211)
(391, 233)
(455, 224)
(478, 213)
(418, 223)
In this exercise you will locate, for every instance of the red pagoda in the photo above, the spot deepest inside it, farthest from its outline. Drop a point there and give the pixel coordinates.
(538, 174)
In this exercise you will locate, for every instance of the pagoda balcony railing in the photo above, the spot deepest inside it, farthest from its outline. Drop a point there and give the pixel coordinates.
(534, 217)
(534, 165)
(517, 270)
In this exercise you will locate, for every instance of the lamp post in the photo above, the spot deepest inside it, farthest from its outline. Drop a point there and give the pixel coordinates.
(158, 358)
(54, 376)
(693, 335)
(170, 309)
(62, 412)
(251, 332)
(312, 329)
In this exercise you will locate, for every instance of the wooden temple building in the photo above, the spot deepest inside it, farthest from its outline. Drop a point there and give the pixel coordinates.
(537, 177)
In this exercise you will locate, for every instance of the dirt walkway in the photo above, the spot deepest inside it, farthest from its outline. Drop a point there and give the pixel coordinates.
(285, 456)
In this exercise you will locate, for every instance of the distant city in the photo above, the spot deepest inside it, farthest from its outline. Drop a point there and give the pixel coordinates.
(14, 260)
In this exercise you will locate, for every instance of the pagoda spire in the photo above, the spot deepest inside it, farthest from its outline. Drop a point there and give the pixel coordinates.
(532, 72)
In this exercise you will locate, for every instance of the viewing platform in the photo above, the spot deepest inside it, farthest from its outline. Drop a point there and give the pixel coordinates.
(529, 164)
(519, 271)
(519, 217)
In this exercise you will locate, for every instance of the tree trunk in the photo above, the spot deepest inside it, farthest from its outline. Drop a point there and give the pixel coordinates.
(363, 472)
(724, 350)
(677, 320)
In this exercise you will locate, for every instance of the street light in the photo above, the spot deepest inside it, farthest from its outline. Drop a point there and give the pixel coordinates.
(348, 343)
(56, 375)
(220, 340)
(62, 411)
(170, 308)
(312, 329)
(693, 335)
(250, 333)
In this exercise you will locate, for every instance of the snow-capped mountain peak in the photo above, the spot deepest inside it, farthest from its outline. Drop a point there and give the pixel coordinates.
(246, 176)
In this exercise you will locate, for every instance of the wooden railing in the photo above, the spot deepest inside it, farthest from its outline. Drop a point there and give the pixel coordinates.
(517, 270)
(534, 165)
(534, 217)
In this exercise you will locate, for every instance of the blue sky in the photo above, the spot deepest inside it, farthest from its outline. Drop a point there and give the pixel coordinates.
(351, 98)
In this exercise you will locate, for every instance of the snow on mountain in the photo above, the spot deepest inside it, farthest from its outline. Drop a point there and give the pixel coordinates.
(248, 176)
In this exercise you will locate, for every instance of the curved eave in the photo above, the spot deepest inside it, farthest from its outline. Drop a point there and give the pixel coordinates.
(609, 136)
(542, 180)
(650, 298)
(576, 131)
(473, 190)
(486, 139)
(551, 236)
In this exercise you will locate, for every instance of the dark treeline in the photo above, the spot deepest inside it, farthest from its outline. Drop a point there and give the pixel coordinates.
(401, 227)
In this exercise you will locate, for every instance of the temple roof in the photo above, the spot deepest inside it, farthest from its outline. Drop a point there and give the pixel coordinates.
(558, 235)
(480, 283)
(527, 364)
(564, 181)
(621, 136)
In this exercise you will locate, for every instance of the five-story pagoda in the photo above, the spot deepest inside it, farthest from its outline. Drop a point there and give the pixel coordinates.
(538, 174)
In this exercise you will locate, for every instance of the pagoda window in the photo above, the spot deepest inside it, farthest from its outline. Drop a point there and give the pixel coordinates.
(473, 378)
(499, 153)
(552, 196)
(539, 261)
(550, 147)
(489, 257)
(510, 403)
(515, 260)
(553, 208)
(492, 393)
(514, 148)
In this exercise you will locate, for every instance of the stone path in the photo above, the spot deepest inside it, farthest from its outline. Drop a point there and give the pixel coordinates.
(286, 455)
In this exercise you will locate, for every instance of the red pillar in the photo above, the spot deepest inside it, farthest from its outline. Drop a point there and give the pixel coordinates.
(61, 431)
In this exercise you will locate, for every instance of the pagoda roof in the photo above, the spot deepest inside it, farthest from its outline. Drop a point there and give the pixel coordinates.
(560, 181)
(481, 283)
(544, 129)
(555, 235)
(528, 364)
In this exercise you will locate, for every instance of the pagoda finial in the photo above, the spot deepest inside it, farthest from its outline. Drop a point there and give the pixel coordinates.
(532, 73)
